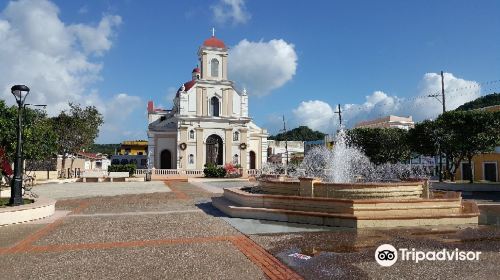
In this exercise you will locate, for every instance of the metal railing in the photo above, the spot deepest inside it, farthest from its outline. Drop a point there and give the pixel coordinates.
(181, 172)
(254, 172)
(141, 171)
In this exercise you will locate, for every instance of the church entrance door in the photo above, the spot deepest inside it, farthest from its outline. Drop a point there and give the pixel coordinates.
(214, 150)
(252, 160)
(166, 160)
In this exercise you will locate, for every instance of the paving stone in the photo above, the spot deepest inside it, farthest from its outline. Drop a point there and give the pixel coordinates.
(94, 229)
(10, 235)
(218, 260)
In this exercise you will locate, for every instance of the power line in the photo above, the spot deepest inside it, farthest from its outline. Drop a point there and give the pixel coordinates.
(425, 96)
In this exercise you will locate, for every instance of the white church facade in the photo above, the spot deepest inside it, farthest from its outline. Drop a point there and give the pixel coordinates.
(209, 121)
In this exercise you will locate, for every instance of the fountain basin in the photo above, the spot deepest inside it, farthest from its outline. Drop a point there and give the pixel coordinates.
(314, 187)
(348, 205)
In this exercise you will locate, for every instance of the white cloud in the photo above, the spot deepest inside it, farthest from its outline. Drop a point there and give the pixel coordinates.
(262, 66)
(97, 39)
(58, 61)
(119, 108)
(458, 91)
(318, 114)
(274, 123)
(230, 11)
(83, 10)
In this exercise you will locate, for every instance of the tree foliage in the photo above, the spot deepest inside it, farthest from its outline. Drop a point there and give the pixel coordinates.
(381, 145)
(76, 128)
(481, 102)
(301, 133)
(130, 168)
(459, 135)
(43, 137)
(108, 149)
(424, 138)
(39, 138)
(463, 134)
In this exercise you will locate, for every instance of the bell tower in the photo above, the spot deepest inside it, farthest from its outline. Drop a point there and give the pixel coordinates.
(213, 59)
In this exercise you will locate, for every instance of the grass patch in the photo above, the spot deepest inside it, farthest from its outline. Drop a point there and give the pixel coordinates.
(4, 201)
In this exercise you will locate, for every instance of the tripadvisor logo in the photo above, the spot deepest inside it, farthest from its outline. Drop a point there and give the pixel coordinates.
(387, 255)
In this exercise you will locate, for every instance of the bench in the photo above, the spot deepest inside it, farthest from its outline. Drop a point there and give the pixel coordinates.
(122, 176)
(95, 176)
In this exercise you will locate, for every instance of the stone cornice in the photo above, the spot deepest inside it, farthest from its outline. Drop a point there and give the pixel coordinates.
(230, 120)
(202, 82)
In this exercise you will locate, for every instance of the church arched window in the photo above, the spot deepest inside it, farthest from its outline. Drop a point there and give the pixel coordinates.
(191, 159)
(215, 67)
(214, 106)
(236, 136)
(191, 134)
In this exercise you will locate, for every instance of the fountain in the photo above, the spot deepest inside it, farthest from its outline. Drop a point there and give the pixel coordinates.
(343, 188)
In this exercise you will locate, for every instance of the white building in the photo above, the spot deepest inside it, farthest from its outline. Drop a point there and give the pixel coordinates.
(209, 121)
(388, 122)
(279, 149)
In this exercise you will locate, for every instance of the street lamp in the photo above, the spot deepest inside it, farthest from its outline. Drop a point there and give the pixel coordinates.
(16, 197)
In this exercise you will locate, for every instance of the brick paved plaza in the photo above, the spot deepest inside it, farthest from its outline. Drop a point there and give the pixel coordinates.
(174, 233)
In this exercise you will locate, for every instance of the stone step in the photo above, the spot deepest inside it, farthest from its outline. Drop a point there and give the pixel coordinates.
(342, 219)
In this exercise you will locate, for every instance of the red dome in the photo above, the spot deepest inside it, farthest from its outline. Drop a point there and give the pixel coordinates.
(196, 70)
(214, 43)
(187, 85)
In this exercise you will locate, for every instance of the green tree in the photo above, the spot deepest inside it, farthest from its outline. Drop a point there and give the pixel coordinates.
(39, 138)
(464, 134)
(481, 102)
(381, 145)
(301, 133)
(108, 149)
(424, 138)
(76, 129)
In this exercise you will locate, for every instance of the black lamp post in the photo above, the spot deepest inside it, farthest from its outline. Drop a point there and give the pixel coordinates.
(16, 197)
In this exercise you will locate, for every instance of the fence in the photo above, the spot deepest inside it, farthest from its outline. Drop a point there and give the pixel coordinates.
(186, 173)
(254, 172)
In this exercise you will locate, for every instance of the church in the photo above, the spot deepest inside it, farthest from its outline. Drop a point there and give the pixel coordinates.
(208, 122)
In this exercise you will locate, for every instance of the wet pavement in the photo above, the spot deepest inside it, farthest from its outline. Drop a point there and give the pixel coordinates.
(177, 234)
(349, 254)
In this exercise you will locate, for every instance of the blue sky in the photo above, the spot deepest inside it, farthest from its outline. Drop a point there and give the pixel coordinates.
(301, 58)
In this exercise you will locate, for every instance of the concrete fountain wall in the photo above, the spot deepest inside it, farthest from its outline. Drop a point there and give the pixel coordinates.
(39, 209)
(312, 187)
(359, 205)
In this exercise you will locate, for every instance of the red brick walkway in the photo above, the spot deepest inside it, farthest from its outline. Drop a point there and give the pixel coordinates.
(271, 266)
(173, 185)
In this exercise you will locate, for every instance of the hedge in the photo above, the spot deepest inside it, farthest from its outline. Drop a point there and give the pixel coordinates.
(130, 168)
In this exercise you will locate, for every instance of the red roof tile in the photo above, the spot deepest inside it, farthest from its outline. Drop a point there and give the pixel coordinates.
(214, 42)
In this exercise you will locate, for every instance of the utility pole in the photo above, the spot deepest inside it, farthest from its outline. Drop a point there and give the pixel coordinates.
(286, 145)
(340, 116)
(443, 102)
(443, 98)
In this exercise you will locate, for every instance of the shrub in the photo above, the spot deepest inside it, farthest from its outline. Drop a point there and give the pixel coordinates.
(130, 168)
(212, 171)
